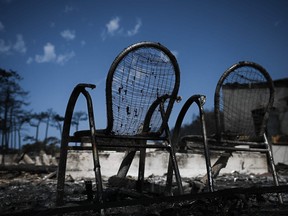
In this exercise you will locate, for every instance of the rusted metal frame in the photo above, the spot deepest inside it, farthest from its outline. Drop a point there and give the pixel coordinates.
(272, 166)
(107, 147)
(235, 142)
(235, 149)
(65, 140)
(109, 79)
(141, 170)
(230, 145)
(141, 145)
(219, 86)
(172, 154)
(164, 116)
(119, 58)
(126, 163)
(114, 65)
(270, 85)
(217, 112)
(172, 159)
(158, 102)
(267, 150)
(199, 100)
(147, 136)
(96, 162)
(271, 90)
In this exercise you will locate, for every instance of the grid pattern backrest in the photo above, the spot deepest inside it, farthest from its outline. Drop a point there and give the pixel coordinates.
(141, 74)
(243, 98)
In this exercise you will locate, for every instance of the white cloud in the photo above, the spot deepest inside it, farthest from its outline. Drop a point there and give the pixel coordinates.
(136, 28)
(10, 48)
(68, 34)
(4, 48)
(63, 58)
(20, 46)
(1, 26)
(29, 60)
(49, 55)
(113, 25)
(113, 28)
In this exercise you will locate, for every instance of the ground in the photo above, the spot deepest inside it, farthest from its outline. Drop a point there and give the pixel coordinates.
(22, 191)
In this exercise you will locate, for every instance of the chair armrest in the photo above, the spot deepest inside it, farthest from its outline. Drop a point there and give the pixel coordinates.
(159, 102)
(200, 101)
(78, 89)
(84, 85)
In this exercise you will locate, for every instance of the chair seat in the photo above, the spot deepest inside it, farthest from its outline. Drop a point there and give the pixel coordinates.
(86, 133)
(106, 141)
(190, 142)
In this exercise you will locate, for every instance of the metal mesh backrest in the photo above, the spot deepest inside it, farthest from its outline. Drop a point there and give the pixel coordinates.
(243, 98)
(139, 75)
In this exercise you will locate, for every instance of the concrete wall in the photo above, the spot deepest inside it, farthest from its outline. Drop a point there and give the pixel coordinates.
(280, 153)
(281, 105)
(80, 164)
(278, 119)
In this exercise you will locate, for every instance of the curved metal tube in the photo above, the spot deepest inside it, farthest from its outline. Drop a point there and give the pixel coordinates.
(200, 101)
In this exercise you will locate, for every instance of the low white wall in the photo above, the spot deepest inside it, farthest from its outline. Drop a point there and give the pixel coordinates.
(80, 164)
(280, 153)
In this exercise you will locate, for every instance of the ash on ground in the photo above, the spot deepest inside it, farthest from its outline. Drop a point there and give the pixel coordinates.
(20, 191)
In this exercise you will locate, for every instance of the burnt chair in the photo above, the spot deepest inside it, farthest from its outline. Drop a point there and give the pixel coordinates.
(243, 98)
(141, 88)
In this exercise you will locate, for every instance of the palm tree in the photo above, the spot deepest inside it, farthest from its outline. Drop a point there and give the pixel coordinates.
(56, 122)
(77, 117)
(35, 121)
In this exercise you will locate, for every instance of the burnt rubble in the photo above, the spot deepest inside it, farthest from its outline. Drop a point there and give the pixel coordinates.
(23, 192)
(28, 187)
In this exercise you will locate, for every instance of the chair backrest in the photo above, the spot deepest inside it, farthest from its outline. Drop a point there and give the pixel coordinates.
(243, 98)
(141, 78)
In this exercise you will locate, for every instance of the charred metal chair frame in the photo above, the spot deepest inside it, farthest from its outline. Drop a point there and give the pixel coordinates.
(199, 101)
(250, 77)
(146, 61)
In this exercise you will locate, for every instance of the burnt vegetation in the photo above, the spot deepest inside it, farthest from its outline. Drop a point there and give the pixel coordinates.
(17, 121)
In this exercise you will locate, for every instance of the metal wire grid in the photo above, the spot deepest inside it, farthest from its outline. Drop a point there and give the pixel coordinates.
(139, 79)
(244, 98)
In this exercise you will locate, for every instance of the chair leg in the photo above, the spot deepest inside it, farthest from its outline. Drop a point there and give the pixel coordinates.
(271, 163)
(97, 171)
(173, 162)
(141, 171)
(206, 153)
(208, 169)
(169, 178)
(61, 173)
(200, 102)
(126, 163)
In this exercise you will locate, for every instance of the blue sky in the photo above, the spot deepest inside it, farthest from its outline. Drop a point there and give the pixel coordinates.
(54, 45)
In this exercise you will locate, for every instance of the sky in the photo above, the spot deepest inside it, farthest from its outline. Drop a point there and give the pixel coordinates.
(54, 45)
